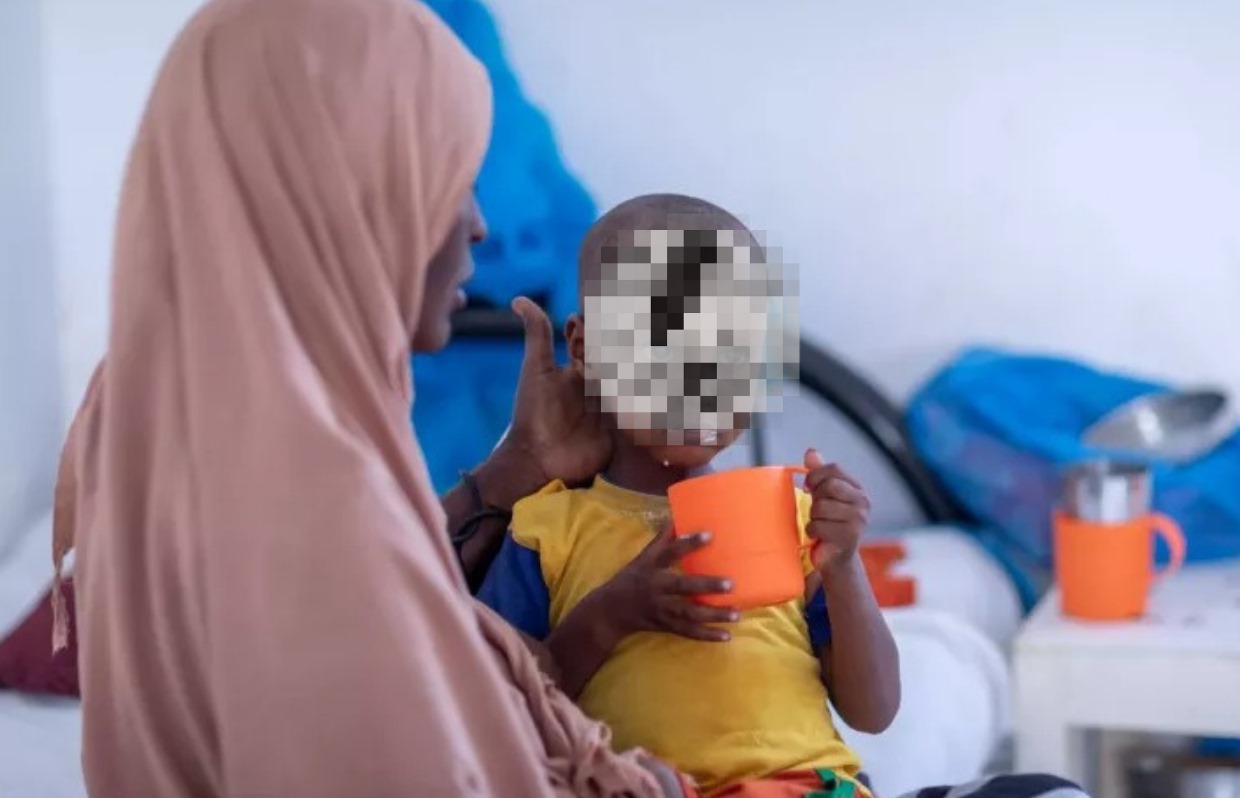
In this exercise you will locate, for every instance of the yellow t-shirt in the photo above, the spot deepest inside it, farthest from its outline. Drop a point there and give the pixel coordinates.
(721, 712)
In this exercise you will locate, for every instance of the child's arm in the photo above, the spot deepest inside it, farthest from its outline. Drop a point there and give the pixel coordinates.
(860, 663)
(647, 595)
(584, 640)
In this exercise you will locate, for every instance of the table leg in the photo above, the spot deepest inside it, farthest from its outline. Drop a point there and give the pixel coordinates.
(1046, 741)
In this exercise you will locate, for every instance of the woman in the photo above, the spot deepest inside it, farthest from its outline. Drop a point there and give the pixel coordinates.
(269, 604)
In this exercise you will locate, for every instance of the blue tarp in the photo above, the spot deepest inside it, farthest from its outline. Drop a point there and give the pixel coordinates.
(463, 404)
(998, 429)
(536, 210)
(537, 213)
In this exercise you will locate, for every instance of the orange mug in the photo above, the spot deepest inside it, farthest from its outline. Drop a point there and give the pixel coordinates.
(879, 558)
(1105, 570)
(751, 514)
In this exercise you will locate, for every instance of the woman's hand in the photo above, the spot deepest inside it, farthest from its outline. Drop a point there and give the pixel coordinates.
(554, 424)
(650, 595)
(556, 433)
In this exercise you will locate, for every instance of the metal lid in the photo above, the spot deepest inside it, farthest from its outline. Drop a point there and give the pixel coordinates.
(1106, 491)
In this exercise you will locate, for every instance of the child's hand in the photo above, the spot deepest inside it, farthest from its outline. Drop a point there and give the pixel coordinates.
(649, 595)
(838, 515)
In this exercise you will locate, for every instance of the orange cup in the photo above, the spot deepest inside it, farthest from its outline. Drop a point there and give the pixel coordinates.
(879, 559)
(1105, 570)
(751, 514)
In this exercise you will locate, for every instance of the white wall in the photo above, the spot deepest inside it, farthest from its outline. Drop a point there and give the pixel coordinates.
(1057, 174)
(100, 60)
(29, 363)
(1062, 175)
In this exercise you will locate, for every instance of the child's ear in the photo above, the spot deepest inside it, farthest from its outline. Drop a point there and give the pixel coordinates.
(575, 334)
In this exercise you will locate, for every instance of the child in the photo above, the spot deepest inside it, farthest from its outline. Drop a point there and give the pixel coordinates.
(736, 700)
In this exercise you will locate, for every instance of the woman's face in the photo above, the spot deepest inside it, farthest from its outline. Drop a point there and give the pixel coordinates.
(449, 269)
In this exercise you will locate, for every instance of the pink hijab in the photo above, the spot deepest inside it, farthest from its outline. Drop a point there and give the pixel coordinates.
(268, 603)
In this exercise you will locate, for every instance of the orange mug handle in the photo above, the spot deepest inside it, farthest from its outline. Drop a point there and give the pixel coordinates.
(812, 545)
(1170, 532)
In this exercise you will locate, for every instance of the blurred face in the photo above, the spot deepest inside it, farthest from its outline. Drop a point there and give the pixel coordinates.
(683, 448)
(698, 448)
(677, 340)
(450, 268)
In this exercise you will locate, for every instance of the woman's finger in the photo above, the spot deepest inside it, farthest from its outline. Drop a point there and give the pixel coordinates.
(539, 355)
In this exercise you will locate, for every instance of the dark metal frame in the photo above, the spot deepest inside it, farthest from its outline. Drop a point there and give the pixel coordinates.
(822, 374)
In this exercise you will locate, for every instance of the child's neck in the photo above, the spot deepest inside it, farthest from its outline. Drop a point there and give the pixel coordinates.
(633, 468)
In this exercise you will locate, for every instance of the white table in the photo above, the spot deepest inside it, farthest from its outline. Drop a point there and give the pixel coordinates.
(1177, 671)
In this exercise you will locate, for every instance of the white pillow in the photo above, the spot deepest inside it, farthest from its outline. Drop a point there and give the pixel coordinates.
(957, 575)
(41, 737)
(954, 710)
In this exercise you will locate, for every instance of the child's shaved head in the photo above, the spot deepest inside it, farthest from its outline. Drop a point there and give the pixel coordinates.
(684, 321)
(655, 212)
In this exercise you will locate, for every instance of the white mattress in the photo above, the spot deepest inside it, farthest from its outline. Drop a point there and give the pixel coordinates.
(954, 710)
(41, 741)
(956, 575)
(40, 737)
(954, 673)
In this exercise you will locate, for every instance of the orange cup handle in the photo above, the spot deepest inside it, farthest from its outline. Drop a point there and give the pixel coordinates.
(1170, 532)
(812, 545)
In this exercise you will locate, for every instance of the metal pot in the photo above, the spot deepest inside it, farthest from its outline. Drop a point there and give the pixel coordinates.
(1178, 426)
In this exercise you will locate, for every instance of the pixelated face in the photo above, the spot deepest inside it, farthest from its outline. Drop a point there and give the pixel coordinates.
(688, 332)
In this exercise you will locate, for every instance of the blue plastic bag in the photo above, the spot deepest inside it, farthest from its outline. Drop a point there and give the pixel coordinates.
(999, 429)
(537, 212)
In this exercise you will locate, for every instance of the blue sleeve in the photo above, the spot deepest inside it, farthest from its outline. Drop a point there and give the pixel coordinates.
(514, 588)
(818, 621)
